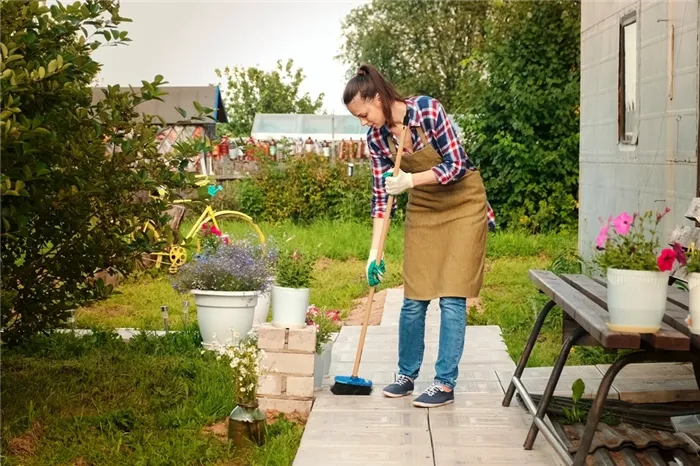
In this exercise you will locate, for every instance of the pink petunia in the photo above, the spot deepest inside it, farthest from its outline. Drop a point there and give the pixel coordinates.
(602, 237)
(666, 259)
(623, 223)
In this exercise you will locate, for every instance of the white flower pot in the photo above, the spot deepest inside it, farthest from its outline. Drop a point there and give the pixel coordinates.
(262, 309)
(636, 300)
(319, 360)
(289, 306)
(328, 355)
(694, 301)
(222, 313)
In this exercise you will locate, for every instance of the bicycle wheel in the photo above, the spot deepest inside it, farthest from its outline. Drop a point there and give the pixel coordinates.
(226, 214)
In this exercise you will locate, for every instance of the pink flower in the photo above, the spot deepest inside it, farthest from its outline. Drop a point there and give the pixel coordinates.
(602, 237)
(680, 254)
(622, 223)
(660, 215)
(666, 259)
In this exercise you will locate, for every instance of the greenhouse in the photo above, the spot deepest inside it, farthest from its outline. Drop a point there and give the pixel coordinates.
(269, 126)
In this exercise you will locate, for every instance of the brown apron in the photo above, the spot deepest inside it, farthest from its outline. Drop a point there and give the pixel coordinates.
(445, 231)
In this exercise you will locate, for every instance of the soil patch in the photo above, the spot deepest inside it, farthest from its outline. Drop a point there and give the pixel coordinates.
(296, 417)
(25, 445)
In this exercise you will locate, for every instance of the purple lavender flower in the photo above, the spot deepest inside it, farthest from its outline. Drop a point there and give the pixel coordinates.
(239, 266)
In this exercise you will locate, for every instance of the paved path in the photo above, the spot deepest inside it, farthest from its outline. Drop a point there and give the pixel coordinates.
(375, 430)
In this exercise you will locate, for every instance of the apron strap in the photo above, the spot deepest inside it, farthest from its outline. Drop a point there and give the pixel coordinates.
(421, 133)
(392, 147)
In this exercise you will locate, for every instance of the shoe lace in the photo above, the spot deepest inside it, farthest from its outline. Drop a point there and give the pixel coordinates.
(432, 390)
(402, 379)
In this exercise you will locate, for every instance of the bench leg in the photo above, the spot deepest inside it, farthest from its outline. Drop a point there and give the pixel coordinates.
(552, 385)
(527, 351)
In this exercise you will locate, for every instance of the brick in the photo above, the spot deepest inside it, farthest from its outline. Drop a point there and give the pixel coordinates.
(302, 340)
(290, 363)
(285, 406)
(300, 387)
(270, 384)
(271, 338)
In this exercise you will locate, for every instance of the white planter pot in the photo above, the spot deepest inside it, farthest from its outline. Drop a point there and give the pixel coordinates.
(319, 360)
(694, 301)
(222, 313)
(289, 306)
(262, 309)
(328, 355)
(636, 300)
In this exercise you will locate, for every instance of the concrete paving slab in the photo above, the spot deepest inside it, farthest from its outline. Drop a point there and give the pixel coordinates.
(363, 420)
(651, 370)
(378, 437)
(444, 418)
(420, 455)
(569, 372)
(657, 391)
(467, 456)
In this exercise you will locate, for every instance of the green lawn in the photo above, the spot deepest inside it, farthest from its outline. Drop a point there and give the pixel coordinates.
(97, 400)
(509, 298)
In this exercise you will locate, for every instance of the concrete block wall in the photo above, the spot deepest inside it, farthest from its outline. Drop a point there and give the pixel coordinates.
(289, 385)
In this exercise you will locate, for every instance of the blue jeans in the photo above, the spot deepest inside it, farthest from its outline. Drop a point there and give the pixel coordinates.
(453, 324)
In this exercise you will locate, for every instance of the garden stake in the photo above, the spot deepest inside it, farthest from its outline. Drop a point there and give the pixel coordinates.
(354, 385)
(164, 314)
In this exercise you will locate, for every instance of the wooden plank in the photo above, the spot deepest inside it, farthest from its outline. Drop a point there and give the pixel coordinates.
(667, 337)
(569, 326)
(583, 310)
(685, 235)
(693, 212)
(680, 298)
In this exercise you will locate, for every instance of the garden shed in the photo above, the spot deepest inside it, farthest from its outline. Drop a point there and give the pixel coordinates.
(178, 128)
(640, 100)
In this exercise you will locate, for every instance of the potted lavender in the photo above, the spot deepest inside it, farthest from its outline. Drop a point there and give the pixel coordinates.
(226, 281)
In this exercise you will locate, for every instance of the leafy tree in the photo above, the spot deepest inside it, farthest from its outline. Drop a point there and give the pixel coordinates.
(74, 170)
(253, 90)
(417, 44)
(519, 107)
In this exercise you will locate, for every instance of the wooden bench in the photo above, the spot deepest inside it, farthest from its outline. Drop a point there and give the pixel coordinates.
(583, 301)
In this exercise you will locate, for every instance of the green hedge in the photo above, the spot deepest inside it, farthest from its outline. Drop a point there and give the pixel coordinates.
(304, 189)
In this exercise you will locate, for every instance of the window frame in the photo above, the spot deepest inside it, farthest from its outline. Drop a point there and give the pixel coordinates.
(622, 138)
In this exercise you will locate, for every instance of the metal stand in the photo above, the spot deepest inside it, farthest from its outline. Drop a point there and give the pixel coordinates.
(539, 411)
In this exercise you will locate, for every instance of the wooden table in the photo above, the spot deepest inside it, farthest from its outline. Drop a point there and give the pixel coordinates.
(585, 317)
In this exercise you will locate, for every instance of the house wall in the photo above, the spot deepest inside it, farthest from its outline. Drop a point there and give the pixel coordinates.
(661, 169)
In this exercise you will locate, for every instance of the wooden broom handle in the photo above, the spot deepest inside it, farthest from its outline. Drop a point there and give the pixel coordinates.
(380, 249)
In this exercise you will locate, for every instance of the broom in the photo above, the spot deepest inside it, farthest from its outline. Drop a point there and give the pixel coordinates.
(354, 385)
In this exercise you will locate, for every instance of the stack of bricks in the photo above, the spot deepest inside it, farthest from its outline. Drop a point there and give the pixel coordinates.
(289, 384)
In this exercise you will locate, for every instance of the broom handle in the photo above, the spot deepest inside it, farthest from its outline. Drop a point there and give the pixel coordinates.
(380, 250)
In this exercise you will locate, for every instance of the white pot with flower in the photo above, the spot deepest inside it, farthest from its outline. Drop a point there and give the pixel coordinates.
(290, 292)
(226, 281)
(691, 261)
(327, 326)
(637, 276)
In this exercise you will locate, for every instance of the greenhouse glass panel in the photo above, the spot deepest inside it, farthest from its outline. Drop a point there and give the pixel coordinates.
(316, 124)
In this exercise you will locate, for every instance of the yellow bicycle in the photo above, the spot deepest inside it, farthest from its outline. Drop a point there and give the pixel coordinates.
(176, 254)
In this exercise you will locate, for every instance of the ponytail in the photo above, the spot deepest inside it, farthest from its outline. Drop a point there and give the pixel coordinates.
(368, 83)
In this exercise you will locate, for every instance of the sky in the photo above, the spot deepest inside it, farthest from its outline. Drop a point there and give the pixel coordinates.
(185, 41)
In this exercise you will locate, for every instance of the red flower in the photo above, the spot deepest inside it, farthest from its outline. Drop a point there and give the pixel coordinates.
(215, 230)
(666, 260)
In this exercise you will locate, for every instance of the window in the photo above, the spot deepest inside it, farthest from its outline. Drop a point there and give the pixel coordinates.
(628, 106)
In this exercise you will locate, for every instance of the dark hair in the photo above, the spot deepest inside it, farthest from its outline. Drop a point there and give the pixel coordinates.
(368, 82)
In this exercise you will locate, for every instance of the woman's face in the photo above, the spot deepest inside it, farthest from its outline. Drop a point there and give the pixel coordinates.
(368, 111)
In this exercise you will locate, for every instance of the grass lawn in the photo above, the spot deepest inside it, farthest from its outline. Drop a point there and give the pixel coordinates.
(509, 299)
(97, 400)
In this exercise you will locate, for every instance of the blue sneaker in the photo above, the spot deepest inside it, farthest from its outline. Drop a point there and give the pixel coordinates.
(433, 397)
(402, 387)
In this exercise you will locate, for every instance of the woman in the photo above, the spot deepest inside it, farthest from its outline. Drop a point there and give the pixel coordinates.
(447, 219)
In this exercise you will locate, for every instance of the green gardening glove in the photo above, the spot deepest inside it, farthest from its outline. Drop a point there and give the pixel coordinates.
(374, 272)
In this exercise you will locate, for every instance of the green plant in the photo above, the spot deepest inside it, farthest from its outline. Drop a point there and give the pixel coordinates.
(246, 360)
(77, 168)
(575, 413)
(630, 242)
(327, 323)
(518, 104)
(690, 258)
(294, 270)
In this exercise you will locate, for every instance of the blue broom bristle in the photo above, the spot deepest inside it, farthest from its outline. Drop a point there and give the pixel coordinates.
(345, 385)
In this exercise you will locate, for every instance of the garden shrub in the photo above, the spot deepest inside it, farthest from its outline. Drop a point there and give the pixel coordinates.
(75, 173)
(306, 188)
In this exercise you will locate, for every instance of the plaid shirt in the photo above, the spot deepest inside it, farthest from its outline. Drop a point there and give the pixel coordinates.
(428, 113)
